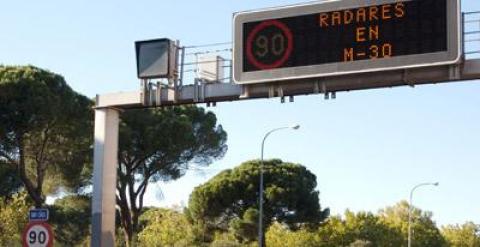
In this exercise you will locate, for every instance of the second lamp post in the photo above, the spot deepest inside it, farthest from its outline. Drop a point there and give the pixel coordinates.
(260, 217)
(409, 243)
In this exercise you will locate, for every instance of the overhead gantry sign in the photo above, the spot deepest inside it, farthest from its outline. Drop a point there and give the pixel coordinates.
(344, 37)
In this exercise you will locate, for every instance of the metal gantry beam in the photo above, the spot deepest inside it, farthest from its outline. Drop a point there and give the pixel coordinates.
(224, 92)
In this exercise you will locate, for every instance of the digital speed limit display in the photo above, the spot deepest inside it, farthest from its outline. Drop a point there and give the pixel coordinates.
(380, 31)
(341, 37)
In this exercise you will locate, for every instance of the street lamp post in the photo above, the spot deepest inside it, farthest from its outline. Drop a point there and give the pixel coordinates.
(260, 217)
(410, 210)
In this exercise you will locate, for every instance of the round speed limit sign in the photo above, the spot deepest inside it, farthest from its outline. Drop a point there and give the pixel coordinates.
(37, 234)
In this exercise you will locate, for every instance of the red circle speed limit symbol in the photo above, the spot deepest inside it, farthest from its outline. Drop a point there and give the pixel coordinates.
(269, 44)
(37, 234)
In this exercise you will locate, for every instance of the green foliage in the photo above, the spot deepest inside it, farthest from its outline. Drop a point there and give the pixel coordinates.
(230, 199)
(366, 228)
(361, 243)
(43, 130)
(280, 236)
(227, 239)
(165, 228)
(161, 145)
(361, 229)
(357, 229)
(424, 230)
(227, 243)
(11, 182)
(245, 229)
(70, 218)
(333, 232)
(466, 235)
(13, 219)
(162, 142)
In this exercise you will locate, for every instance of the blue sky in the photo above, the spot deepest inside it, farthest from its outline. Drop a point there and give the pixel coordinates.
(367, 148)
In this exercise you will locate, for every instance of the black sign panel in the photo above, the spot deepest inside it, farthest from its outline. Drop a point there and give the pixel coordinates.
(370, 32)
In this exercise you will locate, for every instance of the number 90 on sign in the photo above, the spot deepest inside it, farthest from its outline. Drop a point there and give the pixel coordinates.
(38, 234)
(269, 45)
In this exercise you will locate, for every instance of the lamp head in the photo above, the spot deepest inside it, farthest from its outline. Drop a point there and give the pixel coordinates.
(436, 184)
(295, 127)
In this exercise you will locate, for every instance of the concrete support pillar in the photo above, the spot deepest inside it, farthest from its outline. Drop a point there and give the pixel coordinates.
(104, 177)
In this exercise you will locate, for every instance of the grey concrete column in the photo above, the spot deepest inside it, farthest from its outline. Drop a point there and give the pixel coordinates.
(104, 177)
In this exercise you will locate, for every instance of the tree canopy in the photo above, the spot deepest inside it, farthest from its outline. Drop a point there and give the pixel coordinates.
(386, 228)
(165, 227)
(351, 229)
(425, 232)
(13, 219)
(160, 145)
(11, 182)
(357, 229)
(230, 199)
(44, 130)
(70, 217)
(466, 235)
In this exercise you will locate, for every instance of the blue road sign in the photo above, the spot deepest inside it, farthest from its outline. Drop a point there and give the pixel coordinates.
(38, 214)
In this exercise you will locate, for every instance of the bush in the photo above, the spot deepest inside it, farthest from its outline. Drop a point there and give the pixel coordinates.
(13, 219)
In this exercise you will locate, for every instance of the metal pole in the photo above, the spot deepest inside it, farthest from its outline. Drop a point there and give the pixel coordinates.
(410, 210)
(260, 216)
(182, 62)
(104, 177)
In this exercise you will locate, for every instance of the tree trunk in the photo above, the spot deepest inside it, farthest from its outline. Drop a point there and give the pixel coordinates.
(130, 227)
(128, 237)
(133, 210)
(135, 215)
(125, 219)
(33, 192)
(129, 210)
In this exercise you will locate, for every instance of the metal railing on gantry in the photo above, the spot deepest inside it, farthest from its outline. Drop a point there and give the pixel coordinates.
(471, 34)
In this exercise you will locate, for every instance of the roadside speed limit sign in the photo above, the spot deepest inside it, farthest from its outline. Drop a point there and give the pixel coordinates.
(37, 234)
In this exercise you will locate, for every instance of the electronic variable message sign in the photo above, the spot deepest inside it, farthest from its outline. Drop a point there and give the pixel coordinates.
(343, 37)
